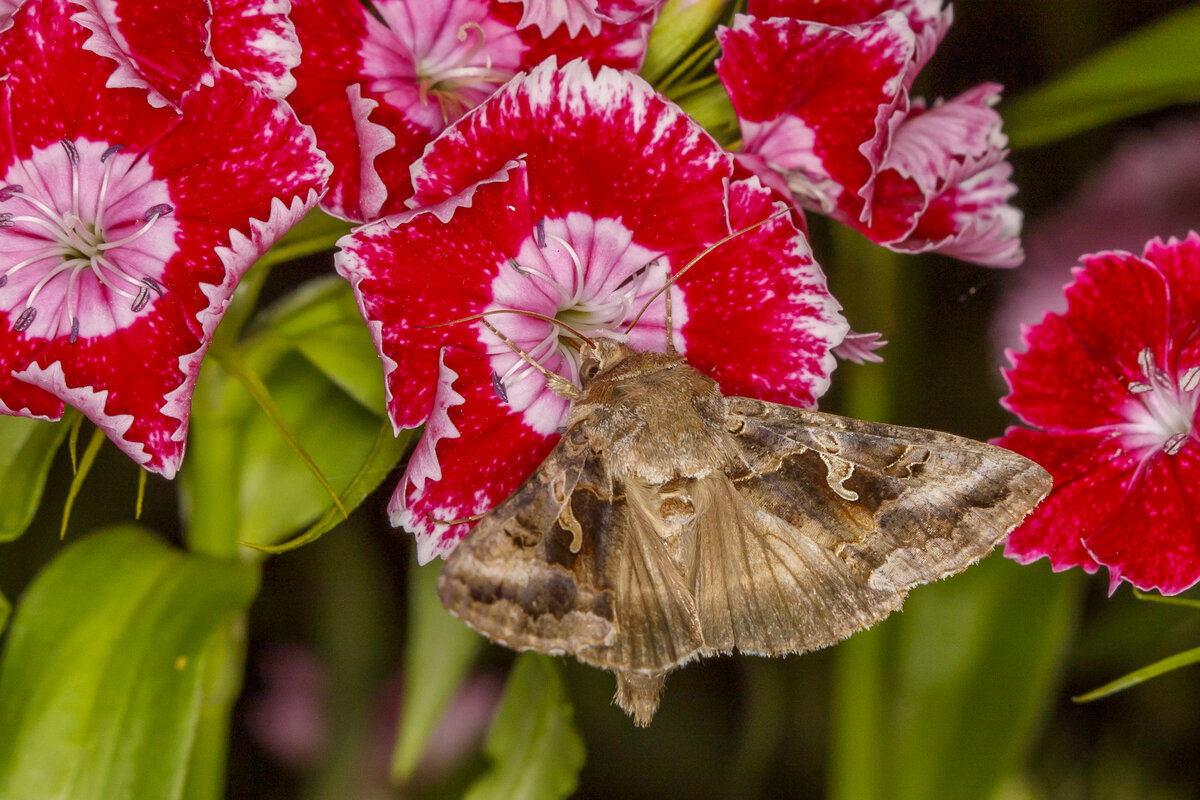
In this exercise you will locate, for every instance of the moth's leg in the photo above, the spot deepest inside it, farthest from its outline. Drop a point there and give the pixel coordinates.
(557, 383)
(670, 328)
(459, 521)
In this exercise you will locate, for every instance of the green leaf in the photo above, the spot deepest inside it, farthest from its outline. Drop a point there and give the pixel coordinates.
(5, 607)
(1144, 674)
(1151, 68)
(439, 653)
(386, 452)
(279, 494)
(944, 699)
(100, 685)
(1186, 602)
(322, 321)
(27, 446)
(535, 749)
(81, 473)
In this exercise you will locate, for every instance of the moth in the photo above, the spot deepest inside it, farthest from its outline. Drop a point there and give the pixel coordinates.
(672, 523)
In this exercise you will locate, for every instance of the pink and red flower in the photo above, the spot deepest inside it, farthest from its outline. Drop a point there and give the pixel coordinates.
(124, 229)
(821, 91)
(1113, 386)
(167, 47)
(377, 90)
(574, 196)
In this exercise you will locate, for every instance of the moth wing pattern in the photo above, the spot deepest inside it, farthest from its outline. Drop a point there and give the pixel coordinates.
(835, 519)
(567, 564)
(515, 582)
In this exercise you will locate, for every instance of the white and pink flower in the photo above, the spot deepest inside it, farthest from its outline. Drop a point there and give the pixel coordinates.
(125, 227)
(821, 91)
(378, 89)
(572, 195)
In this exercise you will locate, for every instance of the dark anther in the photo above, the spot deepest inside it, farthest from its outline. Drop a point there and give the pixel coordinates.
(498, 385)
(139, 302)
(6, 220)
(3, 281)
(154, 286)
(7, 192)
(540, 233)
(74, 330)
(159, 210)
(25, 320)
(112, 151)
(72, 153)
(512, 262)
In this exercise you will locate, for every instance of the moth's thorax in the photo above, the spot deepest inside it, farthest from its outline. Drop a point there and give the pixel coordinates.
(653, 415)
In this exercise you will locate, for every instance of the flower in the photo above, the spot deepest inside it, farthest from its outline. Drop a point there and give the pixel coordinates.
(574, 196)
(378, 90)
(1149, 186)
(167, 46)
(821, 91)
(577, 15)
(124, 229)
(1112, 386)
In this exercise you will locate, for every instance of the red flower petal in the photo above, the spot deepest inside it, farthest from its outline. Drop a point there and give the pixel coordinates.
(160, 45)
(782, 352)
(1089, 483)
(430, 267)
(475, 452)
(1152, 537)
(1079, 365)
(256, 39)
(815, 100)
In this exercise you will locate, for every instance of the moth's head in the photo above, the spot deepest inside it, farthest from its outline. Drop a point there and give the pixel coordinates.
(598, 355)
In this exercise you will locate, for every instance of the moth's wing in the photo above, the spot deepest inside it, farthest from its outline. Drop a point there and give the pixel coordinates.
(514, 577)
(572, 563)
(657, 624)
(825, 523)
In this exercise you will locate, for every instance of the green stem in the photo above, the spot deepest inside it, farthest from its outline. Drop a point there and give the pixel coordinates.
(868, 280)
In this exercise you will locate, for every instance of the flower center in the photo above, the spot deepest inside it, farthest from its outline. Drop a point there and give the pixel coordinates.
(459, 80)
(590, 275)
(1161, 411)
(83, 233)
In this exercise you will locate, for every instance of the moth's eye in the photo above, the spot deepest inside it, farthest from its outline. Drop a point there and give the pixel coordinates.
(589, 370)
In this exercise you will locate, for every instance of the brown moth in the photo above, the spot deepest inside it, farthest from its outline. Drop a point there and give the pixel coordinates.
(672, 523)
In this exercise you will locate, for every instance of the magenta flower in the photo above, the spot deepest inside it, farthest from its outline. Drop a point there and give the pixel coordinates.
(167, 46)
(377, 92)
(1113, 385)
(821, 91)
(573, 196)
(124, 229)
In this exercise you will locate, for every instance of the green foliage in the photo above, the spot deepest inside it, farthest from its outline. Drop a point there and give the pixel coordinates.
(437, 657)
(1152, 68)
(5, 608)
(1160, 667)
(535, 749)
(101, 682)
(944, 699)
(27, 447)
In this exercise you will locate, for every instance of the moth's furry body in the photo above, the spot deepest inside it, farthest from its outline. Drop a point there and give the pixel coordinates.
(672, 523)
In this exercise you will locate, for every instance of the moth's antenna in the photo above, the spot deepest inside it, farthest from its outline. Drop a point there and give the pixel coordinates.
(524, 312)
(670, 281)
(557, 383)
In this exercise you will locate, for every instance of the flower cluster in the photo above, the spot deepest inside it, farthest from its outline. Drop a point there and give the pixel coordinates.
(503, 156)
(135, 194)
(821, 92)
(1112, 386)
